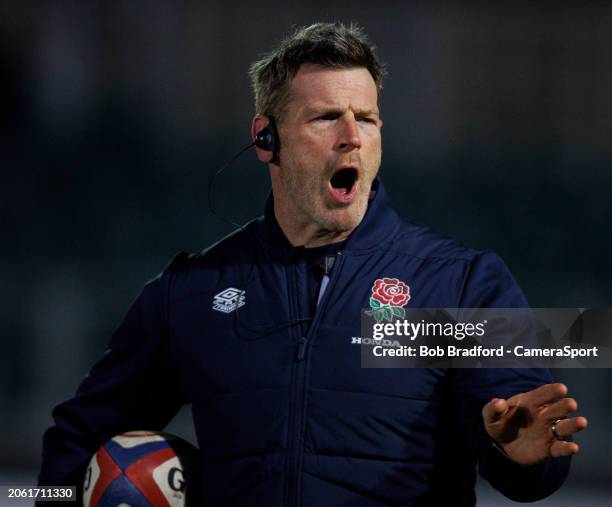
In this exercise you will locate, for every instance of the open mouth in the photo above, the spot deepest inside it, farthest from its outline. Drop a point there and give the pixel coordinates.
(343, 184)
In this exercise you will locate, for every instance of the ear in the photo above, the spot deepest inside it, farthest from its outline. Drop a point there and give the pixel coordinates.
(259, 123)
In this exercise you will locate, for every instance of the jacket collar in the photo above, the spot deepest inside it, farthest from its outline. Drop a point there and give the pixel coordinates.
(377, 227)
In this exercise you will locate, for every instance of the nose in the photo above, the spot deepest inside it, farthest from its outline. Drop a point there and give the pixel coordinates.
(348, 136)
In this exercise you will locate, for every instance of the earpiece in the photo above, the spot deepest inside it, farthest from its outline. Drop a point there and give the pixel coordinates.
(267, 139)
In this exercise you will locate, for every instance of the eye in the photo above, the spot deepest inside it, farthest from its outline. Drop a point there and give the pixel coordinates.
(366, 119)
(328, 117)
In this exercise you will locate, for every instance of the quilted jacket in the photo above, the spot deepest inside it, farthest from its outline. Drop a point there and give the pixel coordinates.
(283, 411)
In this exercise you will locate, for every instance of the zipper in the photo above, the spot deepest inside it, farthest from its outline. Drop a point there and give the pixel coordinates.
(302, 348)
(298, 404)
(298, 373)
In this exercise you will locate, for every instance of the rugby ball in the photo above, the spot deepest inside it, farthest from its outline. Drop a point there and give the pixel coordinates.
(142, 469)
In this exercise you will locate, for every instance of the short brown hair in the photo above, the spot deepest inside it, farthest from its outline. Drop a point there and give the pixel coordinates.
(328, 44)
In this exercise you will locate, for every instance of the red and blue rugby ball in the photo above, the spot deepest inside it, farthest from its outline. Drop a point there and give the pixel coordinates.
(142, 469)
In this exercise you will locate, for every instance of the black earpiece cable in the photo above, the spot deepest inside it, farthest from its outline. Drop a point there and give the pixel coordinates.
(260, 332)
(211, 184)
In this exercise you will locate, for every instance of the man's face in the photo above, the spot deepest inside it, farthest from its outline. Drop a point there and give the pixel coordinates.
(330, 148)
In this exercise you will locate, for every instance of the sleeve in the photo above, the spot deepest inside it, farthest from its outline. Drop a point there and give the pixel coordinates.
(134, 386)
(489, 284)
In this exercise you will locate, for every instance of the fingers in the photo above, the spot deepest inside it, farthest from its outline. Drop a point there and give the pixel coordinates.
(565, 427)
(494, 410)
(568, 427)
(548, 393)
(561, 448)
(560, 409)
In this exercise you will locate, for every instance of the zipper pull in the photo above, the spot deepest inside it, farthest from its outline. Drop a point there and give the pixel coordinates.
(301, 349)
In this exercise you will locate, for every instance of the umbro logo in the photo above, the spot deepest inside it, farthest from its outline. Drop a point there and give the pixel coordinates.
(228, 300)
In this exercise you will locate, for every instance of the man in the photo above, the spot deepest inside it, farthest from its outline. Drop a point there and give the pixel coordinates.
(256, 332)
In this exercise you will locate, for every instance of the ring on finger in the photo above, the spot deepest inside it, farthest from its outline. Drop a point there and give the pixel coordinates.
(553, 429)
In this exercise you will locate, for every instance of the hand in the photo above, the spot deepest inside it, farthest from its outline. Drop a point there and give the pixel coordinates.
(522, 424)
